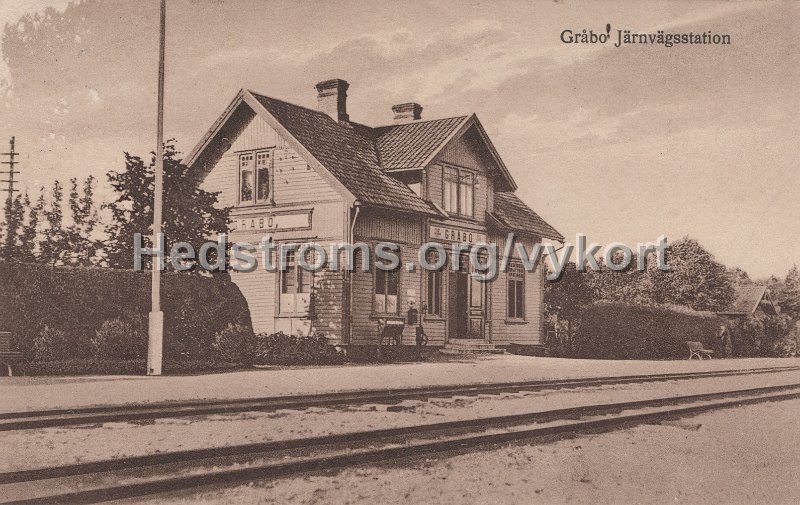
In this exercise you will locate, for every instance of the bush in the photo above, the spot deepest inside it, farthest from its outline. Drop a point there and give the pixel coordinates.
(623, 331)
(118, 339)
(282, 349)
(235, 344)
(763, 335)
(51, 344)
(79, 301)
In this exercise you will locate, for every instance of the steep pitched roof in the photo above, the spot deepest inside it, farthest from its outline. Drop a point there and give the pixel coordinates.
(408, 146)
(513, 214)
(350, 156)
(358, 158)
(748, 299)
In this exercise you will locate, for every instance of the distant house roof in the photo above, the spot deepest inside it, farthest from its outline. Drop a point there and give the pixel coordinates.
(748, 299)
(360, 158)
(512, 213)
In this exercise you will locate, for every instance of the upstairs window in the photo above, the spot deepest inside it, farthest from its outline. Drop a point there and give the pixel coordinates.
(264, 176)
(516, 290)
(459, 192)
(246, 178)
(255, 177)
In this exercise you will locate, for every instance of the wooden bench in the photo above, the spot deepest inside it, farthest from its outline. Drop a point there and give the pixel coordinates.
(7, 356)
(696, 349)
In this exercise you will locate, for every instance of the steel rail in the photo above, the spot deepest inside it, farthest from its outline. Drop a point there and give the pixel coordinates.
(393, 442)
(122, 413)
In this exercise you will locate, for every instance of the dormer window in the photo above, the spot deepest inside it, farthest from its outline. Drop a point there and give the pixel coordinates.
(255, 177)
(459, 192)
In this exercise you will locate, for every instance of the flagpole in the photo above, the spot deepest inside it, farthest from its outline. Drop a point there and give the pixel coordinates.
(156, 319)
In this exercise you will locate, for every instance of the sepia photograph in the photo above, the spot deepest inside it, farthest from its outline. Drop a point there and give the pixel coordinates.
(426, 252)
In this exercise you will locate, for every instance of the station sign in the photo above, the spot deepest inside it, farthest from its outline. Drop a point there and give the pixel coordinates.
(284, 221)
(454, 234)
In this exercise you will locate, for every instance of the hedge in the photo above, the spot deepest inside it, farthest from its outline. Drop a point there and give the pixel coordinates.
(63, 313)
(623, 331)
(93, 366)
(282, 349)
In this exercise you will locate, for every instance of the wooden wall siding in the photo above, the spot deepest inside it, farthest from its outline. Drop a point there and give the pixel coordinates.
(377, 225)
(327, 302)
(530, 332)
(365, 323)
(294, 180)
(257, 134)
(464, 153)
(223, 179)
(434, 184)
(258, 288)
(327, 223)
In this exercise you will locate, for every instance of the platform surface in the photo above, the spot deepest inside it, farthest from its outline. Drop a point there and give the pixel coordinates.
(41, 393)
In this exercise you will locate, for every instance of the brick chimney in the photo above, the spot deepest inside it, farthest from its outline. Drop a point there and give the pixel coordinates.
(332, 99)
(407, 112)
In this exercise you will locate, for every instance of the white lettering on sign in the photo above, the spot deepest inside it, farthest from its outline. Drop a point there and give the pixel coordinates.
(272, 222)
(457, 235)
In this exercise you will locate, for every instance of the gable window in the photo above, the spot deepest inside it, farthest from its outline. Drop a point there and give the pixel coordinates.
(246, 178)
(459, 192)
(434, 286)
(295, 288)
(255, 177)
(387, 286)
(516, 290)
(263, 176)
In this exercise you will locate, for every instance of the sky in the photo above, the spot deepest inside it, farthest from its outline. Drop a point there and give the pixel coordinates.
(622, 144)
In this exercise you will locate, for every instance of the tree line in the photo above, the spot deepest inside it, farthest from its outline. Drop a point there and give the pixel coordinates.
(73, 229)
(695, 281)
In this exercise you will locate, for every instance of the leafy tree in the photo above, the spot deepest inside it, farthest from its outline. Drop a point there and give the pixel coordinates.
(565, 297)
(788, 295)
(695, 279)
(13, 249)
(190, 212)
(739, 277)
(30, 232)
(53, 243)
(81, 245)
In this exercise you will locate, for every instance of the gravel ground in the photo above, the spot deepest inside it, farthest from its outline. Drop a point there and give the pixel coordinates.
(41, 393)
(747, 455)
(56, 446)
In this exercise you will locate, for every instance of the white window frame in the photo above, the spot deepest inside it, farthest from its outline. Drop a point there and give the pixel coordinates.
(253, 158)
(295, 299)
(515, 274)
(458, 196)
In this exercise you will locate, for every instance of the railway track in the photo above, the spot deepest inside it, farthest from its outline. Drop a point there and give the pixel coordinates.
(161, 473)
(124, 413)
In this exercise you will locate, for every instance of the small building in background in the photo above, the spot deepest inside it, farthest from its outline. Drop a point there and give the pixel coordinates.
(751, 300)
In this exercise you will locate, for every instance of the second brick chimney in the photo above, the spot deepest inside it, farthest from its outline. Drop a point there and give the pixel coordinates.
(407, 112)
(332, 99)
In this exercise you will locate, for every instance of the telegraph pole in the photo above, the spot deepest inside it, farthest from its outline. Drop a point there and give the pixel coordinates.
(12, 162)
(155, 339)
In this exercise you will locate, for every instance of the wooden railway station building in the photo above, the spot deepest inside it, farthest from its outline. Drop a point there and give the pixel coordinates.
(303, 175)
